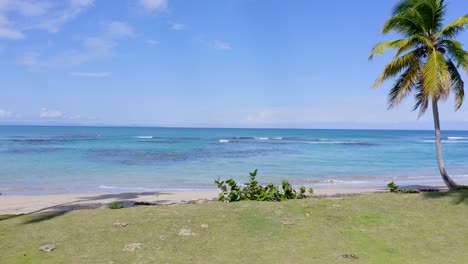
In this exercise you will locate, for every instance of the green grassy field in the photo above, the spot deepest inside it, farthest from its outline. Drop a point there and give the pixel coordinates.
(377, 228)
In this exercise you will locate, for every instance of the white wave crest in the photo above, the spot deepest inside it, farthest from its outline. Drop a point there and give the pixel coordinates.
(262, 138)
(445, 141)
(335, 142)
(144, 137)
(426, 141)
(332, 181)
(456, 138)
(125, 188)
(223, 141)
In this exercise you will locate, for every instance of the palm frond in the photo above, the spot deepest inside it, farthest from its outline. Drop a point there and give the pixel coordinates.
(456, 51)
(414, 41)
(426, 10)
(406, 24)
(457, 84)
(403, 6)
(396, 66)
(454, 28)
(427, 14)
(436, 76)
(422, 101)
(439, 13)
(404, 85)
(382, 47)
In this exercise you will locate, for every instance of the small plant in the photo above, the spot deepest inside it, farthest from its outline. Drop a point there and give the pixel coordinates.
(396, 189)
(116, 205)
(393, 187)
(253, 191)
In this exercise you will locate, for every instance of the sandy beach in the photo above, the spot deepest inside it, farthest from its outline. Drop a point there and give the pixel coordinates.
(15, 204)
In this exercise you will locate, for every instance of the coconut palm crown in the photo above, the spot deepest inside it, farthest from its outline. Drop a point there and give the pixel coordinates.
(426, 62)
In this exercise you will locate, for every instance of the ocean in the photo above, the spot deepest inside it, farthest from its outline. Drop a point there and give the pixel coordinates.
(56, 160)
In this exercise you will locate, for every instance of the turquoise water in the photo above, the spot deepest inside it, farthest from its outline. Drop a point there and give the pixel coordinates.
(46, 160)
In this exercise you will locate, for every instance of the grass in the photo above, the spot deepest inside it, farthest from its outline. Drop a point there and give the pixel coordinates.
(378, 228)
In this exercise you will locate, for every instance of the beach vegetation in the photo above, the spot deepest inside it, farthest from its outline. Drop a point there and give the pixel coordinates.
(426, 63)
(231, 191)
(116, 205)
(393, 187)
(396, 189)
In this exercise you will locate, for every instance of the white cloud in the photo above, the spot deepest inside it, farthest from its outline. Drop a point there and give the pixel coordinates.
(9, 33)
(215, 44)
(91, 74)
(119, 29)
(3, 20)
(46, 113)
(178, 26)
(97, 43)
(93, 48)
(75, 117)
(25, 8)
(154, 5)
(82, 3)
(152, 42)
(5, 114)
(53, 21)
(6, 31)
(221, 45)
(18, 16)
(30, 59)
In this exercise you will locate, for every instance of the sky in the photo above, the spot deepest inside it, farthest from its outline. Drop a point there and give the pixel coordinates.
(206, 63)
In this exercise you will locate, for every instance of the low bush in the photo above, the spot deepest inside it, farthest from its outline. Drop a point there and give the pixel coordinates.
(253, 191)
(396, 189)
(116, 205)
(393, 187)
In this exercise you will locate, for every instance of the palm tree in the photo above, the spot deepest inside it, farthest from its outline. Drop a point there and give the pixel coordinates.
(426, 61)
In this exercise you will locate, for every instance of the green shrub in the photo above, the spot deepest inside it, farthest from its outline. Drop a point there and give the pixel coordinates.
(393, 187)
(396, 189)
(116, 205)
(253, 191)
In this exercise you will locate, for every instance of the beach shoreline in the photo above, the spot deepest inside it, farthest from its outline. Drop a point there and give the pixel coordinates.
(29, 204)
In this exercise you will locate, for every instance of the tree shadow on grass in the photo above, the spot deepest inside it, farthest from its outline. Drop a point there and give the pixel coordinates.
(457, 197)
(119, 196)
(9, 216)
(89, 202)
(36, 218)
(33, 218)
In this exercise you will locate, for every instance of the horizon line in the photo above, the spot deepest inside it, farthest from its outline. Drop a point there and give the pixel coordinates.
(207, 127)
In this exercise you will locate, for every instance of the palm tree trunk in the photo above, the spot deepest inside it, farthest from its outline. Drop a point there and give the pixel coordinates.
(448, 181)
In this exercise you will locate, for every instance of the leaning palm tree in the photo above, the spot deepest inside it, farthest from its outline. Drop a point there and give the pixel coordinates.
(426, 61)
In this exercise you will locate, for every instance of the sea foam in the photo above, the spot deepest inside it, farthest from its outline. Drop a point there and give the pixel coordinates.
(123, 188)
(455, 138)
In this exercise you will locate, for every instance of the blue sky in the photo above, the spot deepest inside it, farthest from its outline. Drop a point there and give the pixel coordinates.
(212, 63)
